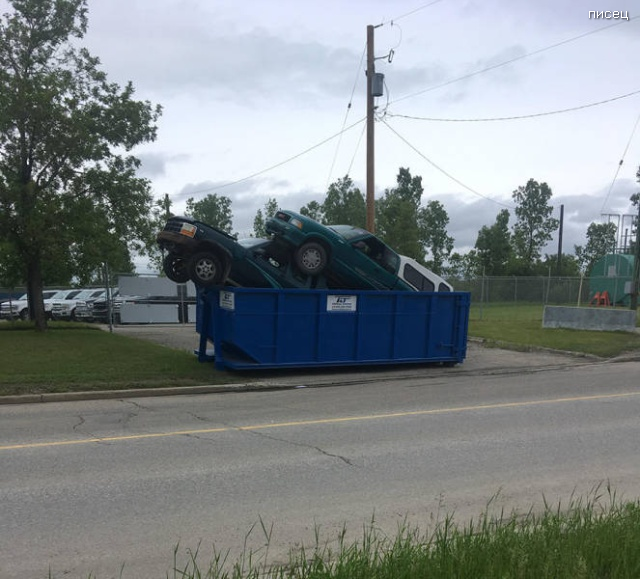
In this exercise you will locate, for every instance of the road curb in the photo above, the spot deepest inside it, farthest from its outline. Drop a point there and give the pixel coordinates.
(139, 393)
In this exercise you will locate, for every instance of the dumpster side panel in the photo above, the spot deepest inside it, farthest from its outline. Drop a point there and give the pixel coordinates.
(281, 328)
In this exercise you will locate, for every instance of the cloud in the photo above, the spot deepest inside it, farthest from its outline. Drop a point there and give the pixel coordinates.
(155, 164)
(217, 59)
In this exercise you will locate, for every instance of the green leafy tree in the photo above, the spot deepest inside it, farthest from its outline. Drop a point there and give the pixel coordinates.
(493, 245)
(259, 221)
(434, 221)
(601, 240)
(214, 210)
(160, 213)
(463, 266)
(69, 195)
(569, 265)
(534, 226)
(399, 220)
(344, 204)
(313, 210)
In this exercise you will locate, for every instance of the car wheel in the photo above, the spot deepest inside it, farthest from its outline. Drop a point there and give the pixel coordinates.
(311, 258)
(175, 268)
(24, 315)
(205, 269)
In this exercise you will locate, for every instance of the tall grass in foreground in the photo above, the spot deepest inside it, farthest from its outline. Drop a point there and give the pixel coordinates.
(585, 540)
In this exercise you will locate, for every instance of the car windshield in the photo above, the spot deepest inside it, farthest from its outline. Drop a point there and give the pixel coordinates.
(86, 293)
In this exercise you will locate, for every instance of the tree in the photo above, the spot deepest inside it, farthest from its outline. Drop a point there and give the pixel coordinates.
(601, 240)
(463, 267)
(534, 225)
(569, 265)
(259, 222)
(434, 221)
(69, 195)
(344, 204)
(213, 210)
(313, 210)
(398, 216)
(493, 245)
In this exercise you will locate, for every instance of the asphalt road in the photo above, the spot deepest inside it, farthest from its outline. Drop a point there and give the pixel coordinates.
(87, 486)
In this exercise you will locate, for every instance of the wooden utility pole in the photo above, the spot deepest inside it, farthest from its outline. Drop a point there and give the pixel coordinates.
(370, 134)
(635, 281)
(560, 228)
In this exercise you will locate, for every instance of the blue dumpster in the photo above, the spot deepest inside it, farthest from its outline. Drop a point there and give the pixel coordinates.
(276, 328)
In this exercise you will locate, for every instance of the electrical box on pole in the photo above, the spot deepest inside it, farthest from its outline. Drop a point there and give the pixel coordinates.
(377, 88)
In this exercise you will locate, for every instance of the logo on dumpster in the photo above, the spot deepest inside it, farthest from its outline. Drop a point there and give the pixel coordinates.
(227, 300)
(342, 303)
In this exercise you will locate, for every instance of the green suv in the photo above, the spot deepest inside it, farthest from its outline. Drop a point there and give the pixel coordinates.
(347, 256)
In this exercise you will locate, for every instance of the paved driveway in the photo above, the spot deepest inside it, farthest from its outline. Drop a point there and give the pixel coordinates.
(480, 359)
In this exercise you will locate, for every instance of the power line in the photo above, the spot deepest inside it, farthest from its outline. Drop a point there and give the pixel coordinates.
(346, 115)
(531, 116)
(635, 126)
(355, 152)
(413, 11)
(442, 170)
(510, 61)
(261, 172)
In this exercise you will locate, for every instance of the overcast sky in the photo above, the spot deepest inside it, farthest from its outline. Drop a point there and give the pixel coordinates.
(246, 85)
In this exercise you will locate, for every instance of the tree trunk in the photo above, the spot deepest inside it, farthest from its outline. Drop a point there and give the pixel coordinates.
(34, 290)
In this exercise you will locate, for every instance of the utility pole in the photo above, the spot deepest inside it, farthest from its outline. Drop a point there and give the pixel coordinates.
(370, 134)
(635, 281)
(561, 227)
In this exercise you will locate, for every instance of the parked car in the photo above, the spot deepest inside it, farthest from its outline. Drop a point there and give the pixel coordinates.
(100, 308)
(349, 257)
(65, 309)
(84, 308)
(210, 257)
(19, 308)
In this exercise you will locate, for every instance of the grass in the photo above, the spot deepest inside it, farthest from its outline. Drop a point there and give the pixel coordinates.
(597, 537)
(520, 327)
(80, 357)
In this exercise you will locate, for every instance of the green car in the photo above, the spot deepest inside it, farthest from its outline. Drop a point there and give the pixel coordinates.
(346, 256)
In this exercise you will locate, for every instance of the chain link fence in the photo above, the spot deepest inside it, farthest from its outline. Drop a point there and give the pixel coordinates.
(568, 291)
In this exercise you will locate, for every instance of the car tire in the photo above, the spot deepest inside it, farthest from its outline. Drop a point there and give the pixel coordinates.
(205, 269)
(311, 258)
(24, 315)
(175, 268)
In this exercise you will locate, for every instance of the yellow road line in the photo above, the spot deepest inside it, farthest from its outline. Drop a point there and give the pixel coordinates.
(321, 421)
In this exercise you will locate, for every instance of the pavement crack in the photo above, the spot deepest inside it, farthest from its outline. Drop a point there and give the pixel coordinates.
(200, 418)
(80, 422)
(303, 445)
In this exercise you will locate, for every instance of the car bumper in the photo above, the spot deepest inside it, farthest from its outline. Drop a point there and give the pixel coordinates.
(175, 242)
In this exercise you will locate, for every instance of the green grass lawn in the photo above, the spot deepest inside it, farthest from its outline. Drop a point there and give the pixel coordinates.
(520, 326)
(76, 357)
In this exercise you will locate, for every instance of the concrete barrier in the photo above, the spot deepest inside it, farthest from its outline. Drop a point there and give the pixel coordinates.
(601, 319)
